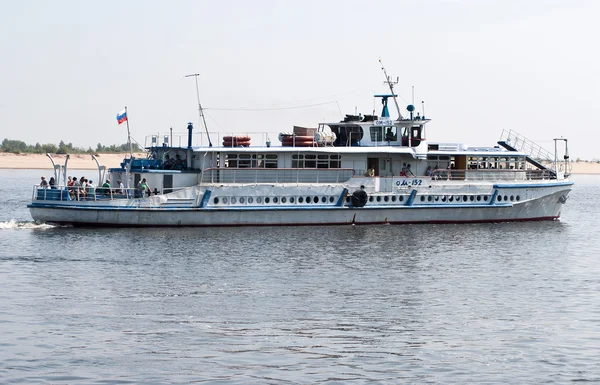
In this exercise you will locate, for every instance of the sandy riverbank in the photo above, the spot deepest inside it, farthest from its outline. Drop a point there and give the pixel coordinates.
(76, 161)
(85, 162)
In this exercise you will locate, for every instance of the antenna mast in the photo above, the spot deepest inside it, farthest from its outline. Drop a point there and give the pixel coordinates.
(200, 110)
(391, 84)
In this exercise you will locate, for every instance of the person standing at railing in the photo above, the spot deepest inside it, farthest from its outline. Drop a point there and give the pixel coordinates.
(44, 183)
(91, 190)
(52, 183)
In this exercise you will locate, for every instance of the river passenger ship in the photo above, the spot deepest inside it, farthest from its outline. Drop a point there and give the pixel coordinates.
(364, 169)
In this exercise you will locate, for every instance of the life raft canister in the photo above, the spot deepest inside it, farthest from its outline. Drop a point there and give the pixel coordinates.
(359, 198)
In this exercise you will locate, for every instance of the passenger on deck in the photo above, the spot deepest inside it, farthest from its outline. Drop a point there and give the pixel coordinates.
(435, 174)
(91, 189)
(428, 172)
(370, 172)
(168, 164)
(144, 188)
(179, 163)
(44, 183)
(106, 187)
(409, 171)
(390, 136)
(121, 189)
(52, 183)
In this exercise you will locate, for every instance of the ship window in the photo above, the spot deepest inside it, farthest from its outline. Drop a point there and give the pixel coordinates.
(471, 198)
(283, 199)
(331, 199)
(275, 200)
(267, 200)
(323, 199)
(245, 160)
(315, 161)
(250, 200)
(451, 198)
(225, 200)
(386, 198)
(242, 200)
(393, 198)
(430, 198)
(512, 198)
(437, 198)
(371, 198)
(376, 134)
(422, 198)
(465, 198)
(300, 200)
(478, 198)
(518, 198)
(292, 200)
(316, 199)
(258, 200)
(485, 198)
(216, 201)
(378, 199)
(401, 198)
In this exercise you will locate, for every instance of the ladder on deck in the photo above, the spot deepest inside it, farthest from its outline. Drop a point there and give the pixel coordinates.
(537, 155)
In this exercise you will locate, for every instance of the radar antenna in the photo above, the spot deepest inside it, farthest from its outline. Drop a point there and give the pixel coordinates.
(391, 84)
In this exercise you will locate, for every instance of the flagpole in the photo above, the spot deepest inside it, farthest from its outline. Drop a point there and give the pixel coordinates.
(128, 134)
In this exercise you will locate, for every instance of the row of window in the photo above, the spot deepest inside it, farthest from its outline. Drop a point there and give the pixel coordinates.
(316, 161)
(245, 160)
(274, 200)
(442, 198)
(377, 198)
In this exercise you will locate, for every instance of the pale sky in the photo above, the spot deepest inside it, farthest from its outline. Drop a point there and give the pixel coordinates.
(68, 67)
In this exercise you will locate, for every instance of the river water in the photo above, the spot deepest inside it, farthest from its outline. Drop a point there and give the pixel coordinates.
(504, 303)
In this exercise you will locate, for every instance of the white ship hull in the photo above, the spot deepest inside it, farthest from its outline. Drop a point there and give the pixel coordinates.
(546, 206)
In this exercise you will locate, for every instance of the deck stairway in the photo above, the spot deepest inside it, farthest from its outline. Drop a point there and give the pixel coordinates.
(538, 156)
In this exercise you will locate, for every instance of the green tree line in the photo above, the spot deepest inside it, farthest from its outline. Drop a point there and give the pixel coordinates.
(20, 147)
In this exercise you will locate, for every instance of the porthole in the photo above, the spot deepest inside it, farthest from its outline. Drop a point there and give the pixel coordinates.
(267, 200)
(292, 199)
(393, 198)
(429, 198)
(518, 198)
(250, 200)
(444, 198)
(458, 198)
(324, 199)
(506, 197)
(331, 199)
(316, 199)
(437, 198)
(478, 198)
(400, 198)
(348, 198)
(242, 200)
(258, 200)
(512, 198)
(307, 199)
(451, 198)
(371, 198)
(233, 200)
(216, 201)
(485, 198)
(386, 198)
(378, 199)
(283, 199)
(465, 198)
(275, 199)
(300, 200)
(471, 198)
(422, 198)
(224, 200)
(499, 198)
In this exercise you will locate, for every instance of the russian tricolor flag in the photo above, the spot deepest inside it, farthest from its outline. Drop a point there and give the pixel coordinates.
(122, 116)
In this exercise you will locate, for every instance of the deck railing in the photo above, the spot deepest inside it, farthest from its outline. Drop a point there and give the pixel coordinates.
(491, 175)
(69, 193)
(276, 175)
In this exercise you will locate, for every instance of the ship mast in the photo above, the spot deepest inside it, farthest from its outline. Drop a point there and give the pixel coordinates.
(391, 84)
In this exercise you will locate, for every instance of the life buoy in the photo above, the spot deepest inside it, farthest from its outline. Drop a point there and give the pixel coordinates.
(236, 141)
(359, 198)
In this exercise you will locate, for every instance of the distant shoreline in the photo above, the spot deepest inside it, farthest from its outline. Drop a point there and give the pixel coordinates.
(76, 161)
(85, 162)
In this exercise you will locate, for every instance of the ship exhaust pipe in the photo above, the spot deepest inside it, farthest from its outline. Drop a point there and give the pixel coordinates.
(190, 127)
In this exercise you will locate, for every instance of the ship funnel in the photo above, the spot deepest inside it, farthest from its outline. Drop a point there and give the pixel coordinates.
(190, 127)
